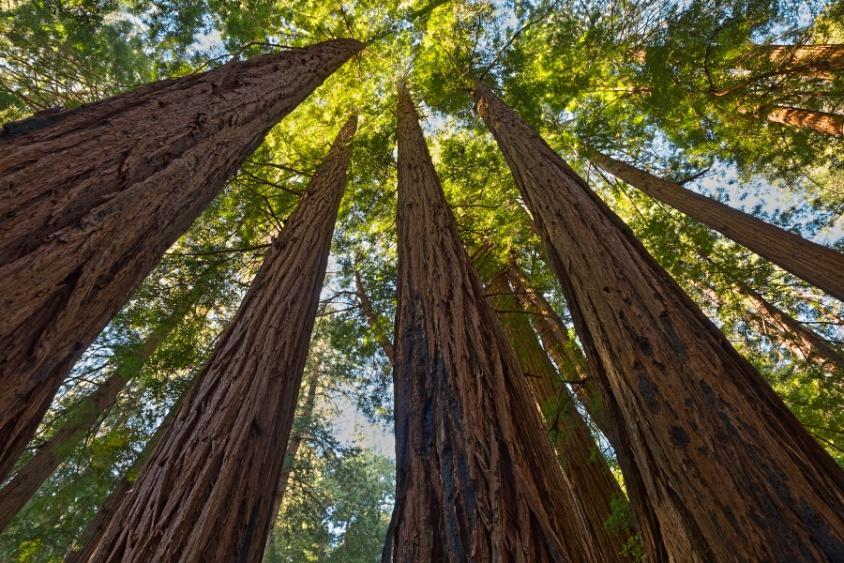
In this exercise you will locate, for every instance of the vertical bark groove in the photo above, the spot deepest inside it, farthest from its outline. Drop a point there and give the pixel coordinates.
(476, 477)
(817, 264)
(716, 466)
(207, 491)
(89, 205)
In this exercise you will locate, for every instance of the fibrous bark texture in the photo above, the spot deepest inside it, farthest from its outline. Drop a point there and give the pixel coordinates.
(207, 492)
(477, 478)
(594, 486)
(716, 466)
(814, 120)
(93, 197)
(819, 265)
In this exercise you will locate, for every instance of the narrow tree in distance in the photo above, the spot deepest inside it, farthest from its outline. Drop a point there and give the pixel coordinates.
(717, 468)
(93, 197)
(208, 490)
(476, 476)
(817, 264)
(595, 488)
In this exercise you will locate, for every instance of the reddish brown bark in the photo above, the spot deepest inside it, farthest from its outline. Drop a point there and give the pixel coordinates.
(801, 118)
(817, 60)
(716, 467)
(207, 491)
(819, 265)
(594, 486)
(94, 196)
(476, 477)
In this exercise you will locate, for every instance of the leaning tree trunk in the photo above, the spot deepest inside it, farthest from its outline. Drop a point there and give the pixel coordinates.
(90, 537)
(207, 491)
(819, 265)
(562, 349)
(809, 344)
(801, 118)
(85, 415)
(29, 478)
(372, 319)
(476, 476)
(93, 197)
(821, 61)
(716, 467)
(594, 486)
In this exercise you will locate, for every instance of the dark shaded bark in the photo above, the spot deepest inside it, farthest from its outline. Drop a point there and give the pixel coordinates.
(207, 492)
(476, 477)
(716, 467)
(93, 197)
(819, 265)
(801, 118)
(594, 486)
(372, 319)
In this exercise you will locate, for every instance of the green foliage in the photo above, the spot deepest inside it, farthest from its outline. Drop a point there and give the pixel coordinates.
(675, 88)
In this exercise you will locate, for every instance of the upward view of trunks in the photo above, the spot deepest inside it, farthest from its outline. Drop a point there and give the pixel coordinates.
(91, 207)
(259, 302)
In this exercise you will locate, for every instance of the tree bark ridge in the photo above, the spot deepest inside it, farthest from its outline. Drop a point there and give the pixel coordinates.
(90, 205)
(716, 466)
(207, 491)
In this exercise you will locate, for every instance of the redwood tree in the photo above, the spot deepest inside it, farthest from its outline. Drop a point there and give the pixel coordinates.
(207, 492)
(92, 198)
(819, 121)
(476, 477)
(595, 488)
(716, 467)
(819, 265)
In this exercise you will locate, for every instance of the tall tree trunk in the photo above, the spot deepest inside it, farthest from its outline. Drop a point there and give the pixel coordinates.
(85, 415)
(816, 60)
(716, 467)
(82, 418)
(594, 486)
(372, 319)
(93, 197)
(810, 345)
(819, 265)
(90, 537)
(476, 477)
(801, 118)
(207, 491)
(303, 420)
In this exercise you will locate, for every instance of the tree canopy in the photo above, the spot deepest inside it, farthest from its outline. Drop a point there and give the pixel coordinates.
(692, 92)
